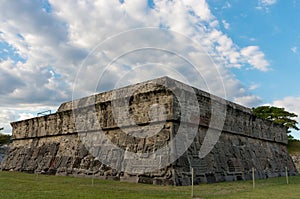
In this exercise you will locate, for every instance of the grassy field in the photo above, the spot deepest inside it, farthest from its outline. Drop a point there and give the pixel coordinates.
(21, 185)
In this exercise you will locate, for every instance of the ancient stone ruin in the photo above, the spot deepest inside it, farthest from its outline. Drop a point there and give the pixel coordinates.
(3, 151)
(151, 133)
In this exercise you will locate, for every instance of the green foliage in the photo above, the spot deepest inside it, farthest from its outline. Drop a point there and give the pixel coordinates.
(277, 115)
(4, 139)
(21, 185)
(294, 146)
(291, 138)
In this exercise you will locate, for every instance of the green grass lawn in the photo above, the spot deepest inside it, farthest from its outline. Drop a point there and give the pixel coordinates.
(22, 185)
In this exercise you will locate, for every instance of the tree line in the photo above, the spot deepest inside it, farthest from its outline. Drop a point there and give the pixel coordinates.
(278, 116)
(4, 139)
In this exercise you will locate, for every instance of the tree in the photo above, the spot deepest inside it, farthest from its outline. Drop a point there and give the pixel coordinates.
(277, 115)
(4, 139)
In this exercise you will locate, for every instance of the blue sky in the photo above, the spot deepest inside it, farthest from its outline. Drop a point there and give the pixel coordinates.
(50, 45)
(275, 27)
(276, 30)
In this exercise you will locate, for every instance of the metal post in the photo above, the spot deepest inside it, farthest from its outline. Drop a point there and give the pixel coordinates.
(93, 176)
(1, 167)
(253, 178)
(36, 175)
(192, 182)
(286, 175)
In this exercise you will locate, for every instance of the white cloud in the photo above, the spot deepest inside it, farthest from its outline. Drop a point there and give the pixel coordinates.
(226, 5)
(55, 44)
(20, 112)
(264, 4)
(267, 2)
(255, 57)
(226, 24)
(254, 86)
(5, 117)
(294, 49)
(249, 100)
(24, 116)
(290, 104)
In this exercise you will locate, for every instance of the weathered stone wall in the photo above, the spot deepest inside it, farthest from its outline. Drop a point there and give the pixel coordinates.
(246, 142)
(296, 159)
(3, 151)
(232, 159)
(58, 144)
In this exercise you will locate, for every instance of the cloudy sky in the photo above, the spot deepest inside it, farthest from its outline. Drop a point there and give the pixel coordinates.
(53, 51)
